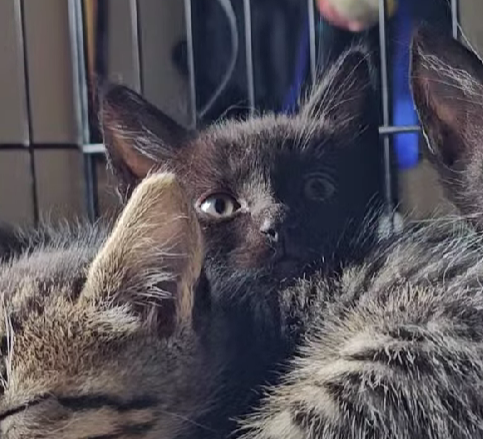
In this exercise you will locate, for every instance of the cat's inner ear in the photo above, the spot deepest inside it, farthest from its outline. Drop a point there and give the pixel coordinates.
(345, 90)
(447, 88)
(153, 257)
(138, 137)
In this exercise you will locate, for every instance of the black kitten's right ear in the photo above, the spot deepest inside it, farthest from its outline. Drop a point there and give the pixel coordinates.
(447, 88)
(138, 137)
(345, 95)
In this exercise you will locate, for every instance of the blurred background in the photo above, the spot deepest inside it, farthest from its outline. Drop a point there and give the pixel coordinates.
(198, 60)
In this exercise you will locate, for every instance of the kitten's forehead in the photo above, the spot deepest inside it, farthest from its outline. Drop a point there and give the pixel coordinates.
(259, 144)
(270, 133)
(261, 154)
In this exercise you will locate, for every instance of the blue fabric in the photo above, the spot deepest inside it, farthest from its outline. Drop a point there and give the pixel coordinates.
(301, 67)
(406, 145)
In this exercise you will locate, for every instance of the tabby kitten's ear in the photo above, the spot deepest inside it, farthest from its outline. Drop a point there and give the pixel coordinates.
(345, 92)
(152, 259)
(447, 87)
(138, 137)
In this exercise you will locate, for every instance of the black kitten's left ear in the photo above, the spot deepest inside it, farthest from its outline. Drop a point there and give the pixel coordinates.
(138, 137)
(447, 88)
(346, 91)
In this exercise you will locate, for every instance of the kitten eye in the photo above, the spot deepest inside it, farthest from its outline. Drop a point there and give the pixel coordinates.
(219, 206)
(318, 188)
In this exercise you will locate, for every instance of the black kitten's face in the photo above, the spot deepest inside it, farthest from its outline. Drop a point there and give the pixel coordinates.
(270, 199)
(275, 193)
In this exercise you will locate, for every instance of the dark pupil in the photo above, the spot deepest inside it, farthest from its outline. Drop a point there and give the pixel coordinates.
(220, 205)
(317, 188)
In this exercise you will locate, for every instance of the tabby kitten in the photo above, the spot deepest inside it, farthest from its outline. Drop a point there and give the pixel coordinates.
(97, 334)
(397, 349)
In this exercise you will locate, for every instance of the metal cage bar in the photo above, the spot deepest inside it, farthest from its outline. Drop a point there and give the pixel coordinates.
(77, 32)
(454, 18)
(384, 74)
(91, 190)
(31, 153)
(249, 54)
(191, 62)
(313, 48)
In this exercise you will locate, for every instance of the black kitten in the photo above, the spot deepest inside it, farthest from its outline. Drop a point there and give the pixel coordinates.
(274, 193)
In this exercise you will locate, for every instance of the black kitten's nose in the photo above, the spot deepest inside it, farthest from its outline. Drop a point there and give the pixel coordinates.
(269, 229)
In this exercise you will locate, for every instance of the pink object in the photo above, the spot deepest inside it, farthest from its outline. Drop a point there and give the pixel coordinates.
(333, 17)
